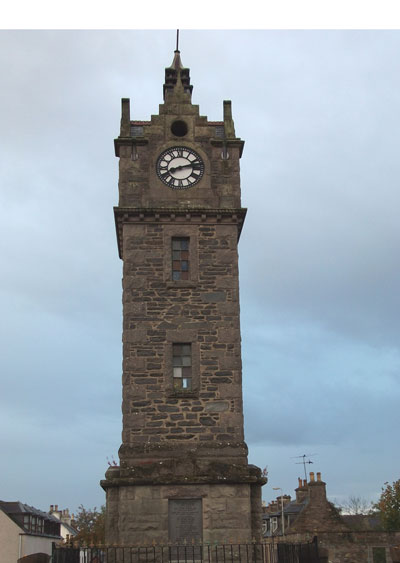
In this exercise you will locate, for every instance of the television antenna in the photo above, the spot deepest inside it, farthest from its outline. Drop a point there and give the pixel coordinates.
(303, 457)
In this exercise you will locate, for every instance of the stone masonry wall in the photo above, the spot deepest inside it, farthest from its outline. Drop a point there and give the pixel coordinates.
(351, 547)
(203, 311)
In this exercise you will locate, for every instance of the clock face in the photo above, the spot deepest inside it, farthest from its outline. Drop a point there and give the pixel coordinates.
(180, 167)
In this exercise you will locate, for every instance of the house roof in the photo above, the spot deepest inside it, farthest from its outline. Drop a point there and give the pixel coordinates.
(290, 508)
(72, 531)
(16, 509)
(294, 507)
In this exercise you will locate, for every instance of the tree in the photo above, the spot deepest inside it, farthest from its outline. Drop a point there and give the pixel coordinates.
(90, 524)
(356, 505)
(389, 506)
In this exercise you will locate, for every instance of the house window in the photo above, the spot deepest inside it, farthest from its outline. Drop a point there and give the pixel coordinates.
(274, 524)
(180, 258)
(182, 366)
(264, 526)
(40, 526)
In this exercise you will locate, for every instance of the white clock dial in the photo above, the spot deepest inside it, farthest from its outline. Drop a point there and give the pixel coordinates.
(180, 167)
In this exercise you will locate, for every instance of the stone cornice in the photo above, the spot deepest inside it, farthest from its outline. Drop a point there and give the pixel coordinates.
(130, 141)
(164, 473)
(125, 215)
(179, 481)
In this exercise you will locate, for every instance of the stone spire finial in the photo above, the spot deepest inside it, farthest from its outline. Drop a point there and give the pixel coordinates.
(173, 72)
(176, 63)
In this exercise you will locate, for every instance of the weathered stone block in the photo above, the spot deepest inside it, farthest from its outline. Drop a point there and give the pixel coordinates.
(134, 420)
(136, 336)
(214, 297)
(217, 406)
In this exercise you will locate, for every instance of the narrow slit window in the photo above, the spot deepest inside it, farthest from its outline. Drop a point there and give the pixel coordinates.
(180, 258)
(182, 366)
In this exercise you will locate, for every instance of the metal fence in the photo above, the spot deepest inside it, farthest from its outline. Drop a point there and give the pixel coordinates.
(298, 552)
(202, 553)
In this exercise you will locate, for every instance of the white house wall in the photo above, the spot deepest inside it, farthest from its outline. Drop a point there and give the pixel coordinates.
(36, 544)
(9, 539)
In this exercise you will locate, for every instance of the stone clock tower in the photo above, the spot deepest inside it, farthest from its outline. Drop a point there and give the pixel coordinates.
(183, 471)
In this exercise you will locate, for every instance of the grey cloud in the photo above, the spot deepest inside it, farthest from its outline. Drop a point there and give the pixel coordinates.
(318, 254)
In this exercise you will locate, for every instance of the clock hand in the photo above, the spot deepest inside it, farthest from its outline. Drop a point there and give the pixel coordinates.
(174, 169)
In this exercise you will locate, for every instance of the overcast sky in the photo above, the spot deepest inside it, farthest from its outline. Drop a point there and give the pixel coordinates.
(319, 253)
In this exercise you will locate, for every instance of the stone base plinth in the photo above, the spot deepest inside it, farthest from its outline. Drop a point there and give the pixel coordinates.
(139, 514)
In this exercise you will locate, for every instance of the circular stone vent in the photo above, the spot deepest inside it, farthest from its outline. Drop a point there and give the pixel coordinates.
(179, 128)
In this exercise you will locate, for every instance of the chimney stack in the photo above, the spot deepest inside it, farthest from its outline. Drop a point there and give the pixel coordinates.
(317, 488)
(56, 507)
(51, 508)
(286, 499)
(301, 491)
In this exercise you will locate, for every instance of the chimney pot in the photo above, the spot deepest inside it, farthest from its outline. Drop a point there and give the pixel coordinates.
(312, 476)
(300, 482)
(318, 476)
(51, 508)
(304, 482)
(56, 507)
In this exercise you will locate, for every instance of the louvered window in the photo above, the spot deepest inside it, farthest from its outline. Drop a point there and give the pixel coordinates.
(136, 130)
(180, 258)
(182, 366)
(220, 131)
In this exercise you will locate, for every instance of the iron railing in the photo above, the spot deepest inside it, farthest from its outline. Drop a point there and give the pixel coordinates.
(298, 552)
(270, 552)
